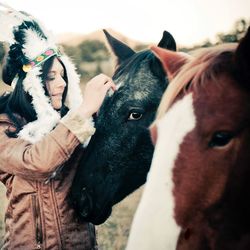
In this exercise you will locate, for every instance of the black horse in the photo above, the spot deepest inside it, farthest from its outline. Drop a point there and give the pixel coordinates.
(119, 154)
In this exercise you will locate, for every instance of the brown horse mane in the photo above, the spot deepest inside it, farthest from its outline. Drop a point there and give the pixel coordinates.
(206, 64)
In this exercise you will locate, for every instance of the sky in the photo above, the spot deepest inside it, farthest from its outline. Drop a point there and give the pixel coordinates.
(189, 21)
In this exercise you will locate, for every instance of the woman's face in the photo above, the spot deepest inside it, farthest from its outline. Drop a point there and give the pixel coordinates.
(55, 84)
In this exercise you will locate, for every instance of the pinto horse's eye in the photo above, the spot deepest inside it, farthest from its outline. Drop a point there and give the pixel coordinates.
(220, 139)
(134, 116)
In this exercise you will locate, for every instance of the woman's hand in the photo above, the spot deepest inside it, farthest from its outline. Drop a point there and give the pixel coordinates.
(94, 94)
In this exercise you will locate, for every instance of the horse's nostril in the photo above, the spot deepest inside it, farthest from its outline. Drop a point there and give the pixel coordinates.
(85, 204)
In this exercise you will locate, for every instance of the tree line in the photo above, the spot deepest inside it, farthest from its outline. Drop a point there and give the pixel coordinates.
(237, 32)
(91, 56)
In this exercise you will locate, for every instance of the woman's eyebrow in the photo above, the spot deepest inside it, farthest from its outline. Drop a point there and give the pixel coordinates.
(54, 71)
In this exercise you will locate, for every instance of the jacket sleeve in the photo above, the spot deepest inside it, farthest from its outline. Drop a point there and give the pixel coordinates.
(39, 160)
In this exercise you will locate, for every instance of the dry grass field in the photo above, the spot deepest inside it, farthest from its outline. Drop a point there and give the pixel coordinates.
(113, 234)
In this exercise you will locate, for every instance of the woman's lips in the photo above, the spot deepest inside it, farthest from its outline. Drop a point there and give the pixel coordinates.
(57, 95)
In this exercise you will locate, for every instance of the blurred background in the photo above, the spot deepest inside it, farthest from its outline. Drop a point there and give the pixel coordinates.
(78, 27)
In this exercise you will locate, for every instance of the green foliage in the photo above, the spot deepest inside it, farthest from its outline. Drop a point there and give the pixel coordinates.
(88, 57)
(238, 31)
(98, 69)
(94, 50)
(140, 47)
(73, 52)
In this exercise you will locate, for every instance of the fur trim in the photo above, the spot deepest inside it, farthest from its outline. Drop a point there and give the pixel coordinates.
(74, 96)
(47, 117)
(82, 128)
(35, 131)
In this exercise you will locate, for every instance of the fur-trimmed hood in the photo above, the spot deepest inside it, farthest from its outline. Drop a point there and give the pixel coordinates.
(30, 45)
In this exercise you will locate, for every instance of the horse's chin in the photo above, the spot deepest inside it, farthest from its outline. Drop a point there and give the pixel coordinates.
(100, 217)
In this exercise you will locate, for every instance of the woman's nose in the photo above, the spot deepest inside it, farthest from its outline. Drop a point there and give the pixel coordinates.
(61, 83)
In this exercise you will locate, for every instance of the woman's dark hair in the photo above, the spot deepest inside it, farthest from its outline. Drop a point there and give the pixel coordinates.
(45, 70)
(17, 104)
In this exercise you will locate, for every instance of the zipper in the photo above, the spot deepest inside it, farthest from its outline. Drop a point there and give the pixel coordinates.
(52, 188)
(37, 221)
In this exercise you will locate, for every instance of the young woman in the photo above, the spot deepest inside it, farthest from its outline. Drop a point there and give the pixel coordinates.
(43, 123)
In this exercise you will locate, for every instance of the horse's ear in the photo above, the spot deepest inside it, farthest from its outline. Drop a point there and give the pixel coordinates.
(120, 49)
(171, 61)
(167, 41)
(242, 56)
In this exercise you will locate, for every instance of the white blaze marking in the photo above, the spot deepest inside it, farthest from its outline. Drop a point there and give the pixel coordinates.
(154, 226)
(111, 91)
(140, 95)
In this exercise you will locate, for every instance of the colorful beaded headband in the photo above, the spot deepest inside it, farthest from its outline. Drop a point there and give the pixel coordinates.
(41, 58)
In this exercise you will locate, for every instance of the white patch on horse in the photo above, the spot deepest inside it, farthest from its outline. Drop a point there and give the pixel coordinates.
(111, 91)
(140, 95)
(154, 226)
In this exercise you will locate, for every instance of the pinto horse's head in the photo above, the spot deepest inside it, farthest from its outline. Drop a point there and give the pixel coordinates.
(118, 156)
(199, 178)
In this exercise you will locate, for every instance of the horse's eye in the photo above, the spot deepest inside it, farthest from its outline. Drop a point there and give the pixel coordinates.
(134, 116)
(220, 139)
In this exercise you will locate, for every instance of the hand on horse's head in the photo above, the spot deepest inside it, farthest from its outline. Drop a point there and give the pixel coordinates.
(94, 94)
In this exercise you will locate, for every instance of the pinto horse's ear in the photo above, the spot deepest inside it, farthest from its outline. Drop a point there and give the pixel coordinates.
(171, 61)
(242, 56)
(167, 41)
(120, 49)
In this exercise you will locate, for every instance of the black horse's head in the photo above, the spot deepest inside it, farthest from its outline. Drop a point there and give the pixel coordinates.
(119, 154)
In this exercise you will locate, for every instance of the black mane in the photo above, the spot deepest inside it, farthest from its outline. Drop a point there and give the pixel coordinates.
(132, 64)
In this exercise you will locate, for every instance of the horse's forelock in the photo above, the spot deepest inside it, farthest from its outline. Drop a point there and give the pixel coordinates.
(131, 66)
(203, 66)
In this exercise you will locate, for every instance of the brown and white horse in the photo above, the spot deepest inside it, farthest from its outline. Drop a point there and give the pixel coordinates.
(197, 195)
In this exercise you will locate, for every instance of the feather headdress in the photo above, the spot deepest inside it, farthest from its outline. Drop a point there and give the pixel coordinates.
(31, 44)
